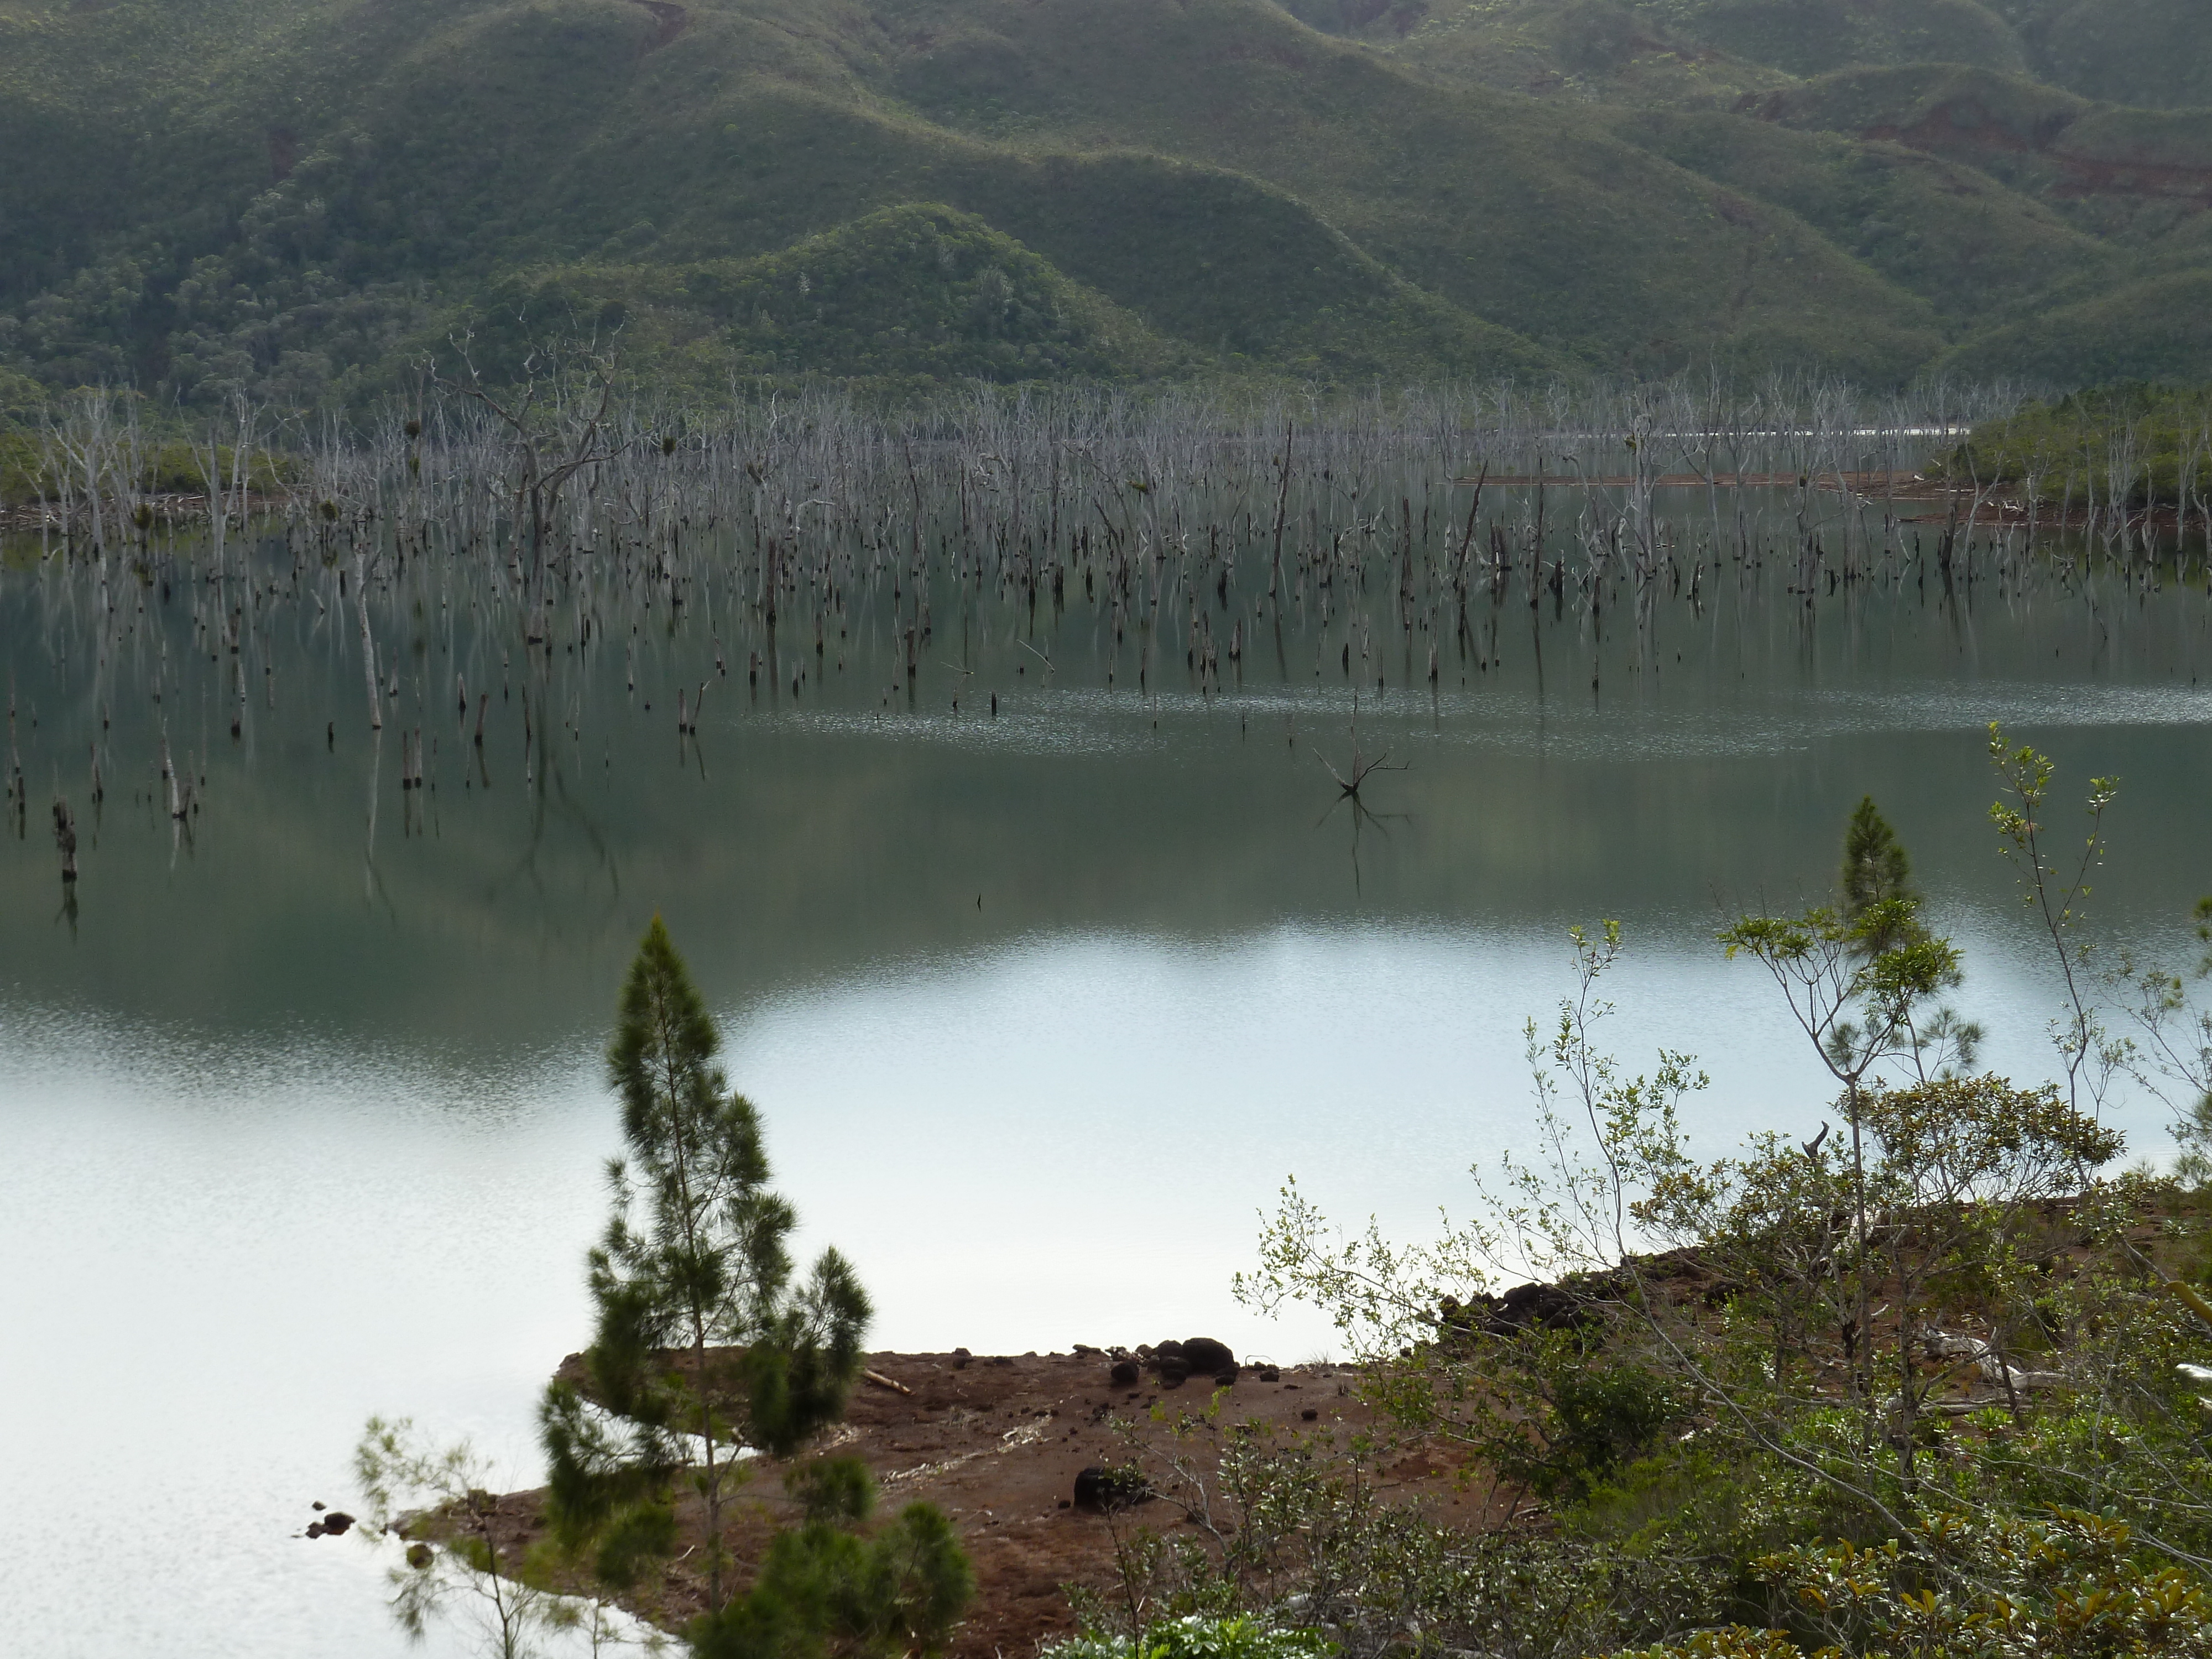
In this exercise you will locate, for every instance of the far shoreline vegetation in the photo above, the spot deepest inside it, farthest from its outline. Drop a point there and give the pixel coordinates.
(2140, 452)
(1912, 1373)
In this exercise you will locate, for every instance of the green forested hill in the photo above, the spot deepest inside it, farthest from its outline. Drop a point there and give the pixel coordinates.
(302, 199)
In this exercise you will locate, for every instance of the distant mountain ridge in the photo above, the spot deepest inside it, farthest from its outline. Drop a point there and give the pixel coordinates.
(302, 200)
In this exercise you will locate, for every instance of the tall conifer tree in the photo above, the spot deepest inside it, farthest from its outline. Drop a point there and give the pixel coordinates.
(1877, 879)
(705, 1342)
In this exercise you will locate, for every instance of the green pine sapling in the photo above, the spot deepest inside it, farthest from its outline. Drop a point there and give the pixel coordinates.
(706, 1343)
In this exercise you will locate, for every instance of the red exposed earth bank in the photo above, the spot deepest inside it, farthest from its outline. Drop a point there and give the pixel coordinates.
(997, 1443)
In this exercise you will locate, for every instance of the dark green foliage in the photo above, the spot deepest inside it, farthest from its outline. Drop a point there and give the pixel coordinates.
(1877, 879)
(303, 201)
(636, 1539)
(706, 1342)
(1555, 1413)
(1940, 229)
(1195, 1636)
(1359, 17)
(833, 1490)
(165, 467)
(1938, 1382)
(594, 1481)
(2158, 329)
(1809, 37)
(1945, 106)
(701, 1328)
(2132, 51)
(2138, 442)
(1600, 1415)
(660, 1063)
(709, 1267)
(914, 291)
(824, 1589)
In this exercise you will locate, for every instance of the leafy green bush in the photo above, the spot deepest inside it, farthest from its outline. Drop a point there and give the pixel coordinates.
(1197, 1636)
(2067, 1583)
(1937, 1381)
(826, 1589)
(19, 468)
(2141, 442)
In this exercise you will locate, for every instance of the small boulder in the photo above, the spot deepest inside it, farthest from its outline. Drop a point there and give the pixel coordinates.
(1226, 1379)
(314, 1529)
(1207, 1355)
(1100, 1488)
(1551, 1307)
(1308, 1415)
(1124, 1374)
(337, 1524)
(1175, 1372)
(1270, 1374)
(960, 1358)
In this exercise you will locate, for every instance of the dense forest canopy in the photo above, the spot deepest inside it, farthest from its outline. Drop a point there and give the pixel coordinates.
(304, 201)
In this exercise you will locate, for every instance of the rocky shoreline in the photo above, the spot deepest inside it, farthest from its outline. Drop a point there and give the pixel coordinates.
(1031, 1458)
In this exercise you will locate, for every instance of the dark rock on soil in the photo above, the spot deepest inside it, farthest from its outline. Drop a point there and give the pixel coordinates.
(946, 1444)
(1125, 1374)
(337, 1524)
(1207, 1355)
(1525, 1307)
(1099, 1487)
(1547, 1305)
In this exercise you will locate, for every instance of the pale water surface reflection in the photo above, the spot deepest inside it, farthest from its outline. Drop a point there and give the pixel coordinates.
(302, 1118)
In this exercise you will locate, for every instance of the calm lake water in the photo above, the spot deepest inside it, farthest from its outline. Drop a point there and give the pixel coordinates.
(301, 1114)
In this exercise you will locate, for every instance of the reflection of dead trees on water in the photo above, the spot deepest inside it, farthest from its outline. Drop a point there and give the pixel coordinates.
(65, 843)
(1361, 768)
(16, 793)
(180, 786)
(546, 788)
(1362, 817)
(1349, 796)
(559, 541)
(65, 839)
